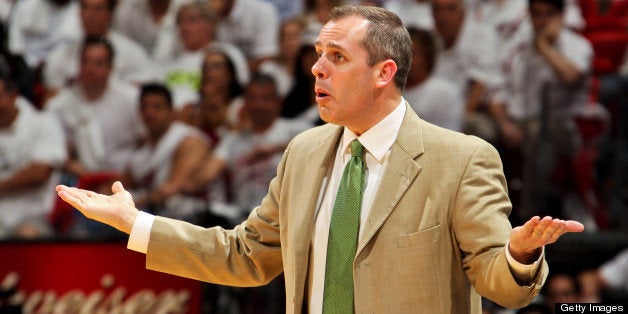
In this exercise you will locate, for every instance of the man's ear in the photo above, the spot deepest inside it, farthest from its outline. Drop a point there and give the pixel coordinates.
(387, 70)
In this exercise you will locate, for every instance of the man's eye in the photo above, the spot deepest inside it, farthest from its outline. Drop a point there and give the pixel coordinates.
(338, 56)
(319, 54)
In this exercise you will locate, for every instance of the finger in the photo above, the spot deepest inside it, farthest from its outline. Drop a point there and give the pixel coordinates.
(573, 226)
(71, 199)
(117, 187)
(540, 227)
(557, 231)
(550, 229)
(528, 227)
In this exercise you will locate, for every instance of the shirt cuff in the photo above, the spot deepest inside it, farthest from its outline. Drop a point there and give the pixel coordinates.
(140, 233)
(524, 272)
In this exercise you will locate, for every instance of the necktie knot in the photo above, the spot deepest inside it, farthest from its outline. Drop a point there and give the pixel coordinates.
(357, 150)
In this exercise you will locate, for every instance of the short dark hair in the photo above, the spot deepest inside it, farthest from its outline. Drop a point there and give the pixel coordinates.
(157, 89)
(558, 4)
(386, 38)
(426, 41)
(262, 79)
(99, 40)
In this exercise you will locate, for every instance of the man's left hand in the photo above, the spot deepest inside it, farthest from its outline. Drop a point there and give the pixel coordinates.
(526, 240)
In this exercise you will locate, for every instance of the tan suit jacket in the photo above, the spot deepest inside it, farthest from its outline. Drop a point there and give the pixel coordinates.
(433, 242)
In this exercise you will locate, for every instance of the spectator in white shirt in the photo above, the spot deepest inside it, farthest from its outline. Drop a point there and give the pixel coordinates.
(32, 151)
(434, 99)
(99, 114)
(472, 67)
(147, 22)
(251, 25)
(131, 63)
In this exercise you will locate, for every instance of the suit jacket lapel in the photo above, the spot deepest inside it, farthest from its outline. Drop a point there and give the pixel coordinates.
(317, 162)
(400, 172)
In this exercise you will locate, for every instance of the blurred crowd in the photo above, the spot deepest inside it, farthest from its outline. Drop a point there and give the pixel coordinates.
(191, 103)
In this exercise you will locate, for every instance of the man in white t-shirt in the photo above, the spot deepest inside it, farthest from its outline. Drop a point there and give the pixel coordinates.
(147, 22)
(181, 69)
(434, 99)
(130, 64)
(32, 150)
(172, 152)
(473, 67)
(251, 155)
(99, 114)
(36, 27)
(251, 25)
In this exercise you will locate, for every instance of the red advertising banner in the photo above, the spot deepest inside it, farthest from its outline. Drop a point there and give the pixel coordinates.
(89, 277)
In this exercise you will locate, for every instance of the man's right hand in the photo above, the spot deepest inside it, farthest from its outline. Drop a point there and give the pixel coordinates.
(117, 210)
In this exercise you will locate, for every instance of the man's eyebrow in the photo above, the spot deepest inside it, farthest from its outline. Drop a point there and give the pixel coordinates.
(333, 45)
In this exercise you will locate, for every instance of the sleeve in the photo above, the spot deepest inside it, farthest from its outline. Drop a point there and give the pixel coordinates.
(248, 255)
(140, 232)
(481, 228)
(524, 272)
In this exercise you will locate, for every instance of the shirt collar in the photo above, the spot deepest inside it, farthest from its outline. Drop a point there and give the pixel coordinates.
(378, 139)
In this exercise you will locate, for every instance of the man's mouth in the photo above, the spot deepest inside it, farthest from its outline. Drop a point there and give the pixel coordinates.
(321, 93)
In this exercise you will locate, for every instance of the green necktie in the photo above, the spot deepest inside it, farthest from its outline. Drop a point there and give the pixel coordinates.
(343, 236)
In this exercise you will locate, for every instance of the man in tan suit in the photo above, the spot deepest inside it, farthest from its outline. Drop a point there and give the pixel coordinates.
(434, 232)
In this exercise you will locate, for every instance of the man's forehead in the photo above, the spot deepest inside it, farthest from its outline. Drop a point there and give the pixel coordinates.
(337, 31)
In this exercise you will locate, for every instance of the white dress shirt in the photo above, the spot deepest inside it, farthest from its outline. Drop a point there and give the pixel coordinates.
(377, 142)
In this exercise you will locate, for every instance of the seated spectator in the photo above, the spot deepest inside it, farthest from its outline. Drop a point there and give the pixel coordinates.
(473, 68)
(547, 75)
(434, 99)
(36, 27)
(283, 67)
(166, 161)
(225, 72)
(131, 63)
(251, 155)
(181, 69)
(146, 21)
(32, 151)
(251, 25)
(33, 30)
(98, 113)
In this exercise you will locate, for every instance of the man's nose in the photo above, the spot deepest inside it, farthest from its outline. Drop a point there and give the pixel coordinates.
(318, 69)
